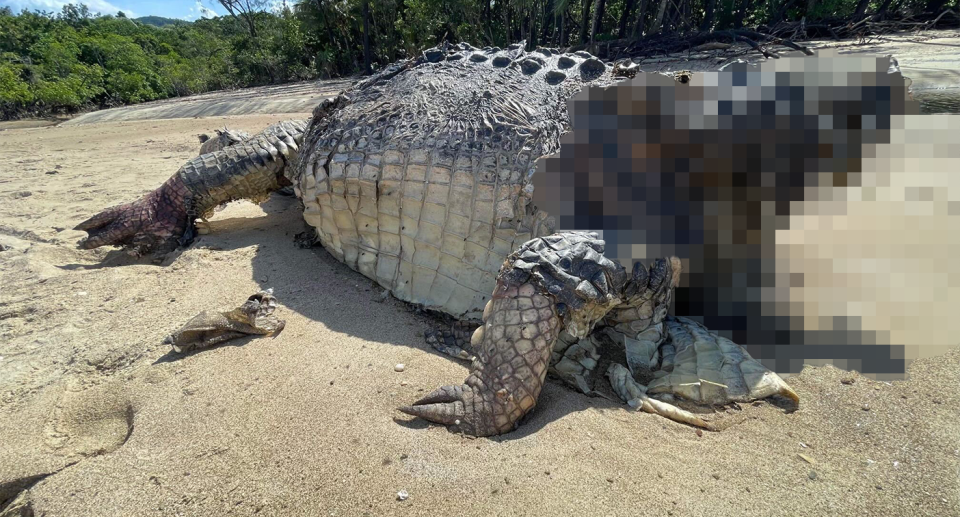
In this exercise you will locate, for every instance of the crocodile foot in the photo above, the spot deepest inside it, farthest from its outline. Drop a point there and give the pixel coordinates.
(513, 351)
(558, 282)
(256, 316)
(156, 223)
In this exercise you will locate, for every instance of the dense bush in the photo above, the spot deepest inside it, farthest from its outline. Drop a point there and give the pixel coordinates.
(56, 62)
(63, 62)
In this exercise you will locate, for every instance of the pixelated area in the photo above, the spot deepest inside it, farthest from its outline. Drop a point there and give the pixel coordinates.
(808, 199)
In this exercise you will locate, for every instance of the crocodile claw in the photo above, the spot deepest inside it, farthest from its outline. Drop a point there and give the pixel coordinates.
(442, 406)
(469, 410)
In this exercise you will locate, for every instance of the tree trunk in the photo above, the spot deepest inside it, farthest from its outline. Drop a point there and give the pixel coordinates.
(524, 31)
(598, 19)
(781, 13)
(508, 32)
(585, 21)
(532, 30)
(861, 8)
(742, 13)
(811, 5)
(641, 16)
(658, 21)
(622, 25)
(546, 34)
(253, 28)
(883, 7)
(486, 19)
(562, 35)
(708, 15)
(233, 8)
(674, 17)
(366, 37)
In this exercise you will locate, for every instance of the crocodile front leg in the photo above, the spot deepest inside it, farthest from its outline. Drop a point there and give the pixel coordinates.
(163, 219)
(551, 283)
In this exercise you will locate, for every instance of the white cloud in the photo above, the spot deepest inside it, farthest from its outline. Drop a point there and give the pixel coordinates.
(277, 6)
(200, 10)
(96, 6)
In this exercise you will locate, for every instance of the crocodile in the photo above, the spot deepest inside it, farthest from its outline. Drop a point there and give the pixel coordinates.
(419, 178)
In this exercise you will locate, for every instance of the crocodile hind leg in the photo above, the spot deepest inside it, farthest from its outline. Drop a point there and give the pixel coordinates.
(164, 219)
(562, 281)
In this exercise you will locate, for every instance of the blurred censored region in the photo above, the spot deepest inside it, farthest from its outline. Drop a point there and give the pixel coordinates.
(814, 209)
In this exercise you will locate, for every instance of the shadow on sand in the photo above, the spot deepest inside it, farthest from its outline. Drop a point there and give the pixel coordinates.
(120, 258)
(312, 283)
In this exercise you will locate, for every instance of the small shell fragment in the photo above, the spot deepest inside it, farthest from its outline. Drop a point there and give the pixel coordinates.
(399, 367)
(402, 495)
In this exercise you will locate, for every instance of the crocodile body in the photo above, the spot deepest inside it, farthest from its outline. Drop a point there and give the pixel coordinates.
(420, 179)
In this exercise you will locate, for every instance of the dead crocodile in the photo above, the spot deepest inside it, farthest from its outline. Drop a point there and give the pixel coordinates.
(419, 178)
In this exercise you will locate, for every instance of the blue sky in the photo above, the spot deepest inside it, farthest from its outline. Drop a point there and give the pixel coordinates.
(184, 9)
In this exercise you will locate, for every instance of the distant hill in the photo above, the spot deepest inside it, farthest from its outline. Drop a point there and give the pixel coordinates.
(159, 21)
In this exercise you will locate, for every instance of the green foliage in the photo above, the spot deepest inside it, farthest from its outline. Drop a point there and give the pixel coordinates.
(13, 89)
(61, 62)
(74, 59)
(830, 8)
(426, 22)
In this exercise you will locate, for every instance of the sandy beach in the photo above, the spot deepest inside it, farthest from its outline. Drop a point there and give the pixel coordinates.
(98, 417)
